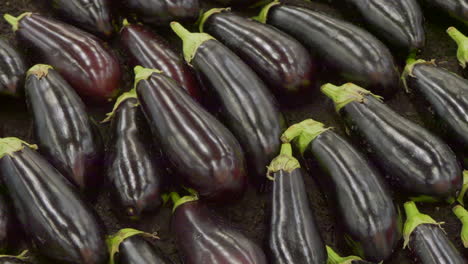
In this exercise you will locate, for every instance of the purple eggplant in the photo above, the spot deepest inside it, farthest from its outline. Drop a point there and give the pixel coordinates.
(92, 15)
(281, 61)
(132, 169)
(51, 212)
(455, 8)
(246, 106)
(149, 50)
(5, 224)
(201, 150)
(343, 48)
(417, 161)
(203, 237)
(162, 12)
(82, 59)
(12, 69)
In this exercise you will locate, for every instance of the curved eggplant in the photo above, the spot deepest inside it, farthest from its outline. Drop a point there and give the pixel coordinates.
(416, 160)
(162, 12)
(5, 221)
(362, 199)
(201, 150)
(248, 109)
(12, 69)
(353, 53)
(455, 8)
(91, 15)
(281, 61)
(426, 239)
(65, 134)
(136, 250)
(53, 216)
(132, 170)
(447, 94)
(334, 258)
(82, 59)
(400, 23)
(202, 237)
(151, 51)
(293, 235)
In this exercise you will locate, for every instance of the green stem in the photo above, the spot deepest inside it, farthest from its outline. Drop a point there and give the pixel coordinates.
(178, 201)
(125, 96)
(191, 41)
(208, 14)
(39, 70)
(263, 15)
(113, 242)
(283, 162)
(456, 35)
(462, 42)
(286, 149)
(334, 258)
(303, 132)
(10, 145)
(414, 218)
(464, 189)
(22, 256)
(125, 23)
(345, 94)
(462, 214)
(14, 21)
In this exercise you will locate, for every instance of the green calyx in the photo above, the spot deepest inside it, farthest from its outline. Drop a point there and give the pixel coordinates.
(408, 71)
(413, 219)
(10, 145)
(345, 94)
(142, 73)
(208, 14)
(178, 201)
(462, 214)
(334, 258)
(263, 15)
(130, 94)
(113, 242)
(424, 199)
(462, 42)
(125, 23)
(39, 70)
(191, 41)
(22, 256)
(304, 133)
(284, 161)
(461, 195)
(14, 21)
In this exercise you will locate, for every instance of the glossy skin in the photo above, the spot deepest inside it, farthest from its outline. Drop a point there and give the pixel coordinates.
(136, 250)
(4, 224)
(151, 51)
(353, 53)
(416, 160)
(201, 238)
(92, 15)
(162, 12)
(363, 202)
(12, 261)
(430, 245)
(82, 59)
(12, 69)
(247, 107)
(293, 236)
(201, 150)
(455, 8)
(281, 61)
(50, 210)
(132, 170)
(64, 132)
(399, 22)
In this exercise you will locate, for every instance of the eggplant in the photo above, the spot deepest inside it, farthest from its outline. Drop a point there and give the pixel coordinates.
(278, 59)
(162, 12)
(416, 160)
(462, 214)
(132, 169)
(91, 15)
(247, 108)
(350, 52)
(203, 153)
(447, 95)
(12, 69)
(426, 240)
(293, 236)
(203, 237)
(83, 60)
(149, 50)
(400, 23)
(65, 134)
(334, 258)
(461, 40)
(363, 202)
(60, 225)
(5, 224)
(455, 8)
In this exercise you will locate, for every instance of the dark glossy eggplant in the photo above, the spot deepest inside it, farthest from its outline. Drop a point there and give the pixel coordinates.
(447, 95)
(455, 8)
(91, 15)
(400, 23)
(59, 224)
(248, 109)
(417, 161)
(293, 235)
(201, 150)
(149, 50)
(12, 69)
(132, 168)
(64, 132)
(426, 240)
(162, 12)
(462, 41)
(83, 60)
(349, 51)
(334, 258)
(202, 237)
(362, 199)
(5, 225)
(462, 214)
(281, 61)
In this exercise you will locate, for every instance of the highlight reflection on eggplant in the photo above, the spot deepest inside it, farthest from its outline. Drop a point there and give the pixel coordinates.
(12, 69)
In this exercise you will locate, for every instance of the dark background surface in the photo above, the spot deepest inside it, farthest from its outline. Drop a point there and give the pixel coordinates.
(250, 214)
